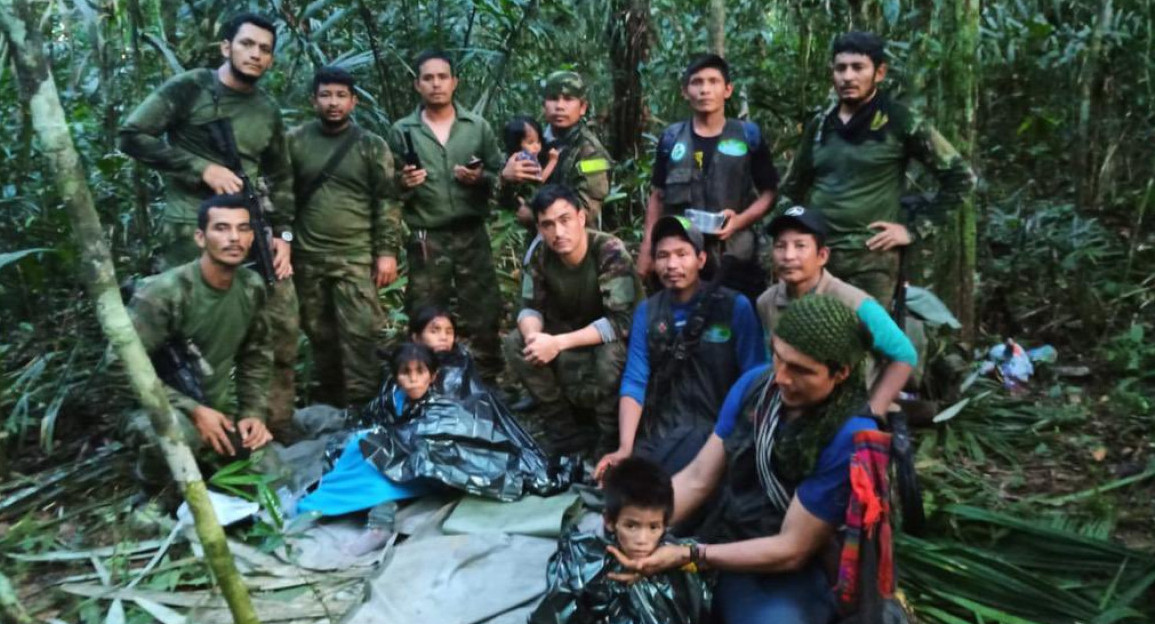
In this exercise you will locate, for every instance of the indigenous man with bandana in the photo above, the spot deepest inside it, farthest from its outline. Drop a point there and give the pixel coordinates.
(169, 132)
(779, 463)
(851, 164)
(689, 343)
(583, 164)
(716, 164)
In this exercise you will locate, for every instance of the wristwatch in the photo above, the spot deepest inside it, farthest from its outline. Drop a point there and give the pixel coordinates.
(287, 236)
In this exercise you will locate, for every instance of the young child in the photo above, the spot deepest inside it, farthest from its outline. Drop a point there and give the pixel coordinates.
(639, 502)
(354, 484)
(523, 137)
(432, 326)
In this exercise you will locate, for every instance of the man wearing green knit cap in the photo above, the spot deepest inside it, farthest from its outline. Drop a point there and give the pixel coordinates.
(583, 164)
(778, 467)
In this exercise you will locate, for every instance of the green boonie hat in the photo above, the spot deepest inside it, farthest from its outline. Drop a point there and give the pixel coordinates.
(565, 83)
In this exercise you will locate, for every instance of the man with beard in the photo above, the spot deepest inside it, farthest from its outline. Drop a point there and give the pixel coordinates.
(578, 294)
(347, 231)
(583, 163)
(688, 344)
(445, 190)
(220, 308)
(169, 132)
(851, 164)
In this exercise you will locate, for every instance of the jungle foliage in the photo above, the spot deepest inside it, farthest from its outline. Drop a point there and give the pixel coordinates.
(1053, 102)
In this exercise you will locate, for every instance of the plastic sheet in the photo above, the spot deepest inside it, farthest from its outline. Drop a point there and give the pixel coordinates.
(470, 443)
(580, 592)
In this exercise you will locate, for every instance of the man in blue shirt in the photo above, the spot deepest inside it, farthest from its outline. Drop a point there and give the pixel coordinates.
(688, 344)
(777, 469)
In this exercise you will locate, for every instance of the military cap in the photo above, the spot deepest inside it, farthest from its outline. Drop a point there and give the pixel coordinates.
(565, 83)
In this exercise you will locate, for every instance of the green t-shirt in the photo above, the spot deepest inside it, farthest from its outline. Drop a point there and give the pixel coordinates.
(603, 289)
(167, 132)
(354, 214)
(228, 328)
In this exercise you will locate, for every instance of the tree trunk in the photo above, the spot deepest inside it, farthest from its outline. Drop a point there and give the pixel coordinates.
(629, 48)
(1086, 170)
(956, 247)
(716, 27)
(99, 277)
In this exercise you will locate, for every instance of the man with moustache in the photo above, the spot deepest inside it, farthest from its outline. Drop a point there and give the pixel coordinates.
(347, 231)
(169, 132)
(445, 195)
(688, 344)
(578, 294)
(220, 308)
(851, 167)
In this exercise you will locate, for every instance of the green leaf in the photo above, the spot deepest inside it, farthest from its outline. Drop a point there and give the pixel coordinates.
(15, 256)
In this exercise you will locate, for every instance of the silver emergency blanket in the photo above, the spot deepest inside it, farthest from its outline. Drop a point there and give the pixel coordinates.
(580, 592)
(461, 435)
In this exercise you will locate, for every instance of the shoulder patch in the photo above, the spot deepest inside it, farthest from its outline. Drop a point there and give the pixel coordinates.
(593, 165)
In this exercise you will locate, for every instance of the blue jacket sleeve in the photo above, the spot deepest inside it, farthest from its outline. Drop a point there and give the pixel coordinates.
(637, 372)
(889, 340)
(749, 341)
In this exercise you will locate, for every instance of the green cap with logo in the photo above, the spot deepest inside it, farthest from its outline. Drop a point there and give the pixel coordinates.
(565, 83)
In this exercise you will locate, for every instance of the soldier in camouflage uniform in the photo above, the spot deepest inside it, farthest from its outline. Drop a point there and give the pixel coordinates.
(168, 132)
(583, 164)
(221, 309)
(445, 197)
(851, 164)
(579, 292)
(347, 233)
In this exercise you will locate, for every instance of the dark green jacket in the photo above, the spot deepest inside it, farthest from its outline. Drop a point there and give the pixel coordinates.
(583, 164)
(167, 132)
(354, 214)
(856, 185)
(442, 201)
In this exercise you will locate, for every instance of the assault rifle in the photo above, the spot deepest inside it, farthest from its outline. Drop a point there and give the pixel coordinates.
(225, 141)
(179, 364)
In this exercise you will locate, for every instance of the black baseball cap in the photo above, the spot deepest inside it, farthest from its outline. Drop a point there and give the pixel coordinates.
(672, 225)
(802, 218)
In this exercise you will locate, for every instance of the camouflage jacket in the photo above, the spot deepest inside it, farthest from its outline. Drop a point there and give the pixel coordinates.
(167, 132)
(584, 165)
(229, 329)
(855, 183)
(601, 291)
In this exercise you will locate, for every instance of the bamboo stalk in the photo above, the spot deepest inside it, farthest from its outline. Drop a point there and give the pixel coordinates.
(99, 278)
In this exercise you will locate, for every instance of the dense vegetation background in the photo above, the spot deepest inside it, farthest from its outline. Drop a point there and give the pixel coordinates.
(1052, 101)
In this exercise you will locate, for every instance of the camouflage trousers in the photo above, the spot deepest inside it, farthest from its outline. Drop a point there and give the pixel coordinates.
(875, 272)
(150, 467)
(457, 263)
(342, 316)
(177, 246)
(577, 394)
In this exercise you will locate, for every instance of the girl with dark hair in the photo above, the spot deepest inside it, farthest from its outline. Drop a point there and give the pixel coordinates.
(523, 140)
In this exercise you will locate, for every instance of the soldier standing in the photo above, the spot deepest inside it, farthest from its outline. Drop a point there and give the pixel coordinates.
(851, 165)
(171, 132)
(347, 231)
(452, 160)
(583, 163)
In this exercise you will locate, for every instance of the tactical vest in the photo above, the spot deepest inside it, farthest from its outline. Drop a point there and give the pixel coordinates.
(742, 510)
(690, 371)
(727, 183)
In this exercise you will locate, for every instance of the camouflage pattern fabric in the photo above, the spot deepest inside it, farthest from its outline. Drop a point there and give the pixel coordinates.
(456, 264)
(577, 394)
(584, 165)
(175, 245)
(285, 329)
(565, 82)
(342, 317)
(875, 272)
